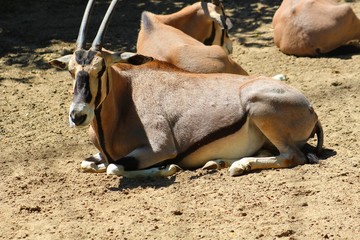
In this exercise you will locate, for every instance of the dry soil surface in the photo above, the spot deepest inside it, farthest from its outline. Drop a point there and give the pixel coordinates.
(44, 195)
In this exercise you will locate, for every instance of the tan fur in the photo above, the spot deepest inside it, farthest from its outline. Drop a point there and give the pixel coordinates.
(154, 113)
(167, 43)
(310, 27)
(196, 21)
(143, 112)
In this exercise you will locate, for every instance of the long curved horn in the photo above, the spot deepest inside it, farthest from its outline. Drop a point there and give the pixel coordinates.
(80, 42)
(104, 24)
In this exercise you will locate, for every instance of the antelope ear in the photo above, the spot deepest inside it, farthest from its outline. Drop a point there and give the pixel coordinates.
(228, 23)
(223, 21)
(61, 62)
(139, 59)
(131, 58)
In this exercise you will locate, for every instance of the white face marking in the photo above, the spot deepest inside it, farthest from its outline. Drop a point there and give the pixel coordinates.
(82, 109)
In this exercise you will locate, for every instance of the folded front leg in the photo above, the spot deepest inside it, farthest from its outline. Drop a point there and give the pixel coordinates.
(94, 164)
(167, 171)
(158, 147)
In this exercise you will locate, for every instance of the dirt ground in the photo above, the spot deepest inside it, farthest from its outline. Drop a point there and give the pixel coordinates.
(44, 195)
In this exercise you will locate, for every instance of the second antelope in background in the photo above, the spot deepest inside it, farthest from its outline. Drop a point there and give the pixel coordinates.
(194, 39)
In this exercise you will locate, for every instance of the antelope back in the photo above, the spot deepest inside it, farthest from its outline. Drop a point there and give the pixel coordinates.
(166, 43)
(205, 22)
(312, 27)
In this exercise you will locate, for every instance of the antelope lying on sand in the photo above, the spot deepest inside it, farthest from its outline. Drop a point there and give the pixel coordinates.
(179, 39)
(206, 22)
(312, 27)
(145, 114)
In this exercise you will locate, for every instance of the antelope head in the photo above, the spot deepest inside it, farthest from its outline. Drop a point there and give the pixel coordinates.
(224, 24)
(88, 68)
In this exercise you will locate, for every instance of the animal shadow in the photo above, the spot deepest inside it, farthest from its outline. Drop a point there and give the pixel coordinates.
(324, 155)
(344, 52)
(132, 183)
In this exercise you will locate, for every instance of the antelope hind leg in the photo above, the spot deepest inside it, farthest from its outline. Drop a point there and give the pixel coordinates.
(94, 164)
(225, 163)
(167, 171)
(283, 160)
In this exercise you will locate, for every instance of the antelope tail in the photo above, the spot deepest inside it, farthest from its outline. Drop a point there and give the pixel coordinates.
(320, 137)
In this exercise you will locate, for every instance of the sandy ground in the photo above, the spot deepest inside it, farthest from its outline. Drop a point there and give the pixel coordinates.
(44, 195)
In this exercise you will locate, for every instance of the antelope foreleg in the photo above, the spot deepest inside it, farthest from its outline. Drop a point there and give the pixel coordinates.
(94, 164)
(167, 171)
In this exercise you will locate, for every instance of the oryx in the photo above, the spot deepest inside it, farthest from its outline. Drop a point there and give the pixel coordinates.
(145, 114)
(194, 39)
(313, 27)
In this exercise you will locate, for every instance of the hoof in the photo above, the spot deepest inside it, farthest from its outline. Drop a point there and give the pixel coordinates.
(217, 164)
(96, 158)
(237, 169)
(312, 158)
(113, 169)
(174, 168)
(210, 165)
(92, 167)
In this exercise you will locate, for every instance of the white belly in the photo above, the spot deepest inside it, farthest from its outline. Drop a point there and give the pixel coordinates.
(243, 143)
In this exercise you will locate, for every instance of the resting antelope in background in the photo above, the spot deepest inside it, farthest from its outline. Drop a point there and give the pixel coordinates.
(145, 114)
(182, 39)
(206, 22)
(312, 27)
